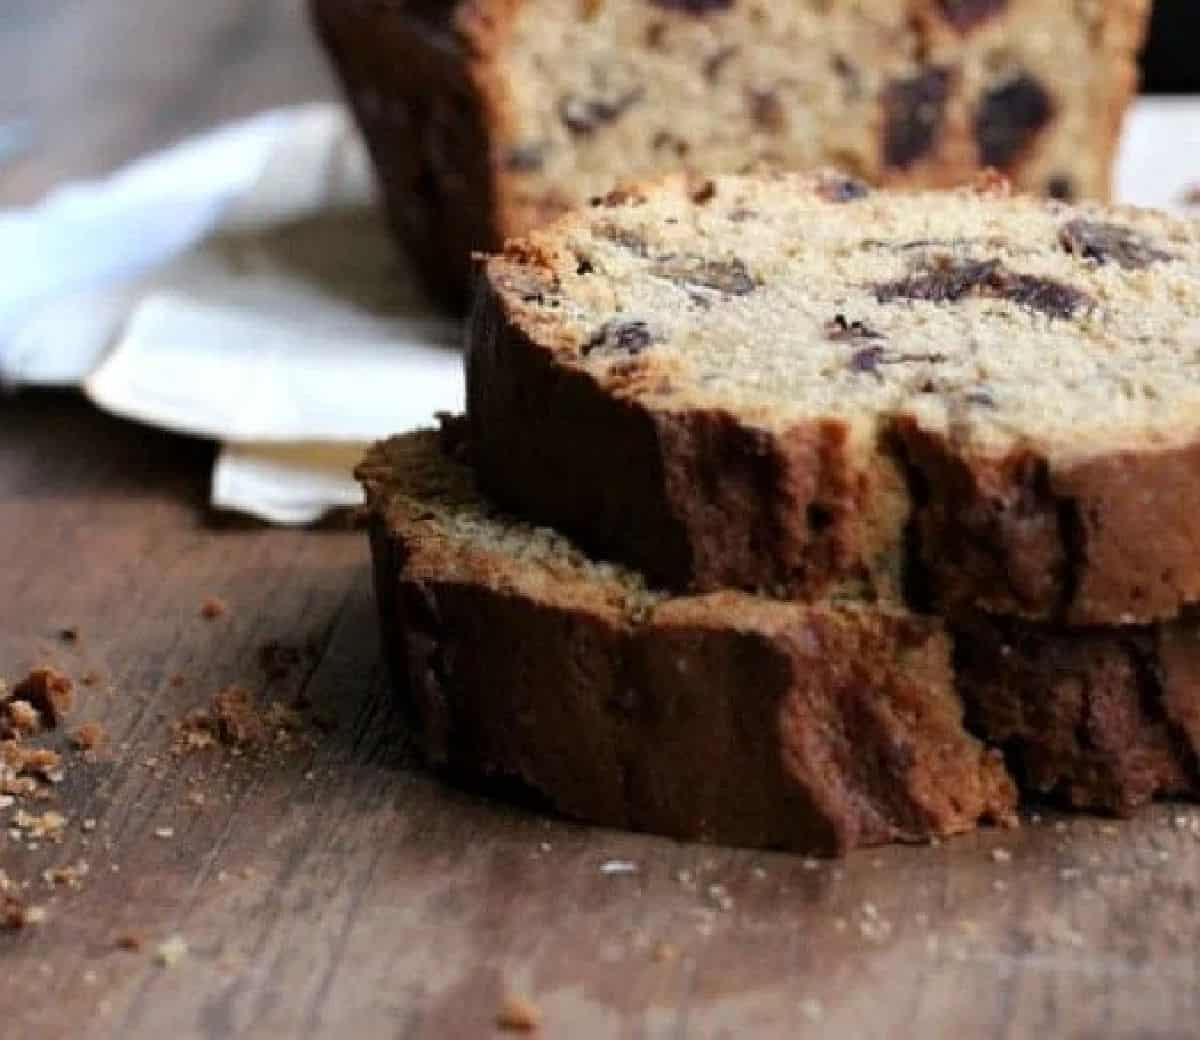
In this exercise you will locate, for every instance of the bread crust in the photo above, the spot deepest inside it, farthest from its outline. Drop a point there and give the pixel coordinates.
(421, 82)
(1097, 718)
(717, 718)
(428, 86)
(1111, 540)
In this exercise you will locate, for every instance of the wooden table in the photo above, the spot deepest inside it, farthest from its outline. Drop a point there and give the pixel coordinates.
(339, 890)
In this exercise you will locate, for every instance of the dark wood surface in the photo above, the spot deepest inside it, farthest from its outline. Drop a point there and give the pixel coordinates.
(342, 891)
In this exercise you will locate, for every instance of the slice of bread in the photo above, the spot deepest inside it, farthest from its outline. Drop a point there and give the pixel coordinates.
(787, 382)
(488, 117)
(721, 717)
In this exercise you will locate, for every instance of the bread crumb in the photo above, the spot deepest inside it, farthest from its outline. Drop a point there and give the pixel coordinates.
(1001, 856)
(235, 720)
(15, 914)
(47, 690)
(164, 832)
(89, 736)
(212, 608)
(519, 1014)
(20, 719)
(70, 875)
(89, 824)
(665, 951)
(618, 866)
(171, 951)
(49, 824)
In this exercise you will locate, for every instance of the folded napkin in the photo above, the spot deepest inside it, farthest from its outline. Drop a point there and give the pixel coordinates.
(241, 286)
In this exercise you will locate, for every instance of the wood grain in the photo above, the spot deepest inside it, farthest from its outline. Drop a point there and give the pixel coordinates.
(345, 891)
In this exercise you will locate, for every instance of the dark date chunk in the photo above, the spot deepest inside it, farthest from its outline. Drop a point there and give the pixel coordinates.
(1100, 241)
(1042, 294)
(842, 331)
(527, 158)
(584, 116)
(727, 277)
(623, 237)
(842, 189)
(966, 15)
(952, 280)
(767, 111)
(621, 336)
(716, 62)
(868, 360)
(1061, 187)
(1009, 118)
(697, 7)
(848, 73)
(664, 140)
(913, 112)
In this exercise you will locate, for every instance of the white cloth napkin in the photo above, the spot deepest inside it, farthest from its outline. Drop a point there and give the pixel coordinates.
(241, 286)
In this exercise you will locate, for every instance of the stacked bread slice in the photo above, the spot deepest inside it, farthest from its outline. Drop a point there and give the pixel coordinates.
(872, 503)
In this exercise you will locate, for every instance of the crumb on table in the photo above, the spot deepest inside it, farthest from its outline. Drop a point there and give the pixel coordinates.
(89, 736)
(519, 1014)
(212, 608)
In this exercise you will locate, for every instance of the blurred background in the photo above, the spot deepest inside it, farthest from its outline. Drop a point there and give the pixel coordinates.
(1170, 62)
(86, 86)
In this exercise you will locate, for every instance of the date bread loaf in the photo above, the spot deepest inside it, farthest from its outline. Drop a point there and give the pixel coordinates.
(486, 118)
(785, 383)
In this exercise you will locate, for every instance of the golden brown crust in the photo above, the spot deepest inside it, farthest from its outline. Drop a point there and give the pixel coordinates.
(1098, 718)
(416, 78)
(1123, 33)
(1111, 540)
(720, 718)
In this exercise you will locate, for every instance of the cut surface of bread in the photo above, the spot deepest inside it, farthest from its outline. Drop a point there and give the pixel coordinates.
(721, 717)
(488, 117)
(784, 382)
